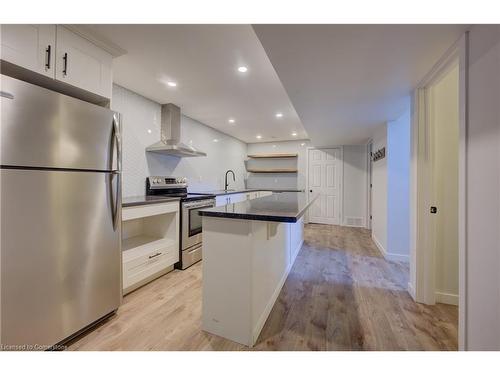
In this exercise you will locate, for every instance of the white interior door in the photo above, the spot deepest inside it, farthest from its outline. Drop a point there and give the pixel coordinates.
(325, 179)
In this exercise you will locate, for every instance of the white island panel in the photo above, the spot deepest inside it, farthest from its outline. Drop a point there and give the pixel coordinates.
(245, 264)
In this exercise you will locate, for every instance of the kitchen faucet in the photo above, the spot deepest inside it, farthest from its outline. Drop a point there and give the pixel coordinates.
(225, 179)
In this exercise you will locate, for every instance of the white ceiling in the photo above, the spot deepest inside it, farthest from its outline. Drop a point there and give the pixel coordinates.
(346, 80)
(203, 60)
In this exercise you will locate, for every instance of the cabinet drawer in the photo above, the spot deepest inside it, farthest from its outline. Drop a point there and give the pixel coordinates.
(130, 213)
(142, 264)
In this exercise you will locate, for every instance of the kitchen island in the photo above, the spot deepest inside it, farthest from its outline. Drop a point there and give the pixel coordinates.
(248, 250)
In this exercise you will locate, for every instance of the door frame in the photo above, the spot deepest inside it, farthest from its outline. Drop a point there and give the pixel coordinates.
(422, 281)
(369, 183)
(341, 174)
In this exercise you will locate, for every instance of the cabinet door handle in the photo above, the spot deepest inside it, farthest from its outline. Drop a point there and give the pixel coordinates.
(48, 53)
(154, 256)
(65, 67)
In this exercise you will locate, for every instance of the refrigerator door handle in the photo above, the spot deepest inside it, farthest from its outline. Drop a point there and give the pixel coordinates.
(116, 143)
(115, 197)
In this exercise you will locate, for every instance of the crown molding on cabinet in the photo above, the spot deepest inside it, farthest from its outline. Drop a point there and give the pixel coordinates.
(97, 39)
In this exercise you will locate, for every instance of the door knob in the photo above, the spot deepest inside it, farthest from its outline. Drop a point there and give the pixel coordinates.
(310, 191)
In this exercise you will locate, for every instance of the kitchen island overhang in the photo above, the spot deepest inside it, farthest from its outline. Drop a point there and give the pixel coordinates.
(248, 251)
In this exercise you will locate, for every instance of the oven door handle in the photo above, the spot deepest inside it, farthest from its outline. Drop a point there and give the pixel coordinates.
(199, 205)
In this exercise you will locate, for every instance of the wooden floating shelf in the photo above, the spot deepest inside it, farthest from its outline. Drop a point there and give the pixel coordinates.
(273, 170)
(270, 156)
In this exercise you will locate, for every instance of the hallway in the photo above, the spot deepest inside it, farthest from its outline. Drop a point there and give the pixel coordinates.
(340, 295)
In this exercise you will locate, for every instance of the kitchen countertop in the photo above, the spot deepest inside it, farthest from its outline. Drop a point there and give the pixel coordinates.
(286, 207)
(226, 192)
(147, 199)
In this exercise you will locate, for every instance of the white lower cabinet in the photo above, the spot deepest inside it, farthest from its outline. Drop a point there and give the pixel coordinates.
(222, 200)
(252, 195)
(235, 198)
(143, 264)
(150, 242)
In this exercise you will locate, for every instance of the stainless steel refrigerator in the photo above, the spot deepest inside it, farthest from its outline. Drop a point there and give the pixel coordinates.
(60, 215)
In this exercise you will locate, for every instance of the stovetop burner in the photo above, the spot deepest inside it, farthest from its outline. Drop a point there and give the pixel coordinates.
(172, 187)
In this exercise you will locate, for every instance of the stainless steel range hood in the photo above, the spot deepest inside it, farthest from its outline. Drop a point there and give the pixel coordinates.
(170, 142)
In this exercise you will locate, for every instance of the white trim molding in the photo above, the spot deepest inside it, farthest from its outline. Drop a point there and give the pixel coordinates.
(447, 298)
(411, 290)
(393, 257)
(422, 267)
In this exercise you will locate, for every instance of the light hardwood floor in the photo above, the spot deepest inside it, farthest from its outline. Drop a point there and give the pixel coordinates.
(340, 295)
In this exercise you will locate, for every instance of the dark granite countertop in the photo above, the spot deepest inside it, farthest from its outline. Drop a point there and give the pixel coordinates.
(147, 199)
(226, 192)
(285, 207)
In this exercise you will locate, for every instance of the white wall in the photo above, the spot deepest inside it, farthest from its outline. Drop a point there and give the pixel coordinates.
(279, 181)
(355, 185)
(379, 191)
(204, 173)
(444, 119)
(398, 187)
(483, 190)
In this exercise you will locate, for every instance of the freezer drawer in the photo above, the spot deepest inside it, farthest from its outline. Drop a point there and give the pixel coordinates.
(42, 128)
(60, 253)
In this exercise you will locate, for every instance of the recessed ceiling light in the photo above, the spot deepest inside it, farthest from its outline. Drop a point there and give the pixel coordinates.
(302, 144)
(149, 131)
(258, 136)
(216, 140)
(294, 134)
(279, 114)
(274, 146)
(172, 83)
(242, 69)
(231, 120)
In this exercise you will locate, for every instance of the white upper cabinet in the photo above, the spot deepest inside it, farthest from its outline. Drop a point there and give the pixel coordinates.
(82, 64)
(30, 46)
(59, 53)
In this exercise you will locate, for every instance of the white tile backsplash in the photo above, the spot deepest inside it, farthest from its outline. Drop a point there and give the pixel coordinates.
(141, 128)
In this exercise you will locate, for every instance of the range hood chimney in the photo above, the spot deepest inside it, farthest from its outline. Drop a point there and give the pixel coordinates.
(170, 141)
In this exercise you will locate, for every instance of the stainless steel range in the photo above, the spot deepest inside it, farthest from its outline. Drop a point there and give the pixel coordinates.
(190, 247)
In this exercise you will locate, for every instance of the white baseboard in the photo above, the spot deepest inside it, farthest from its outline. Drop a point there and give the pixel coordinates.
(397, 257)
(390, 256)
(411, 290)
(447, 298)
(379, 246)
